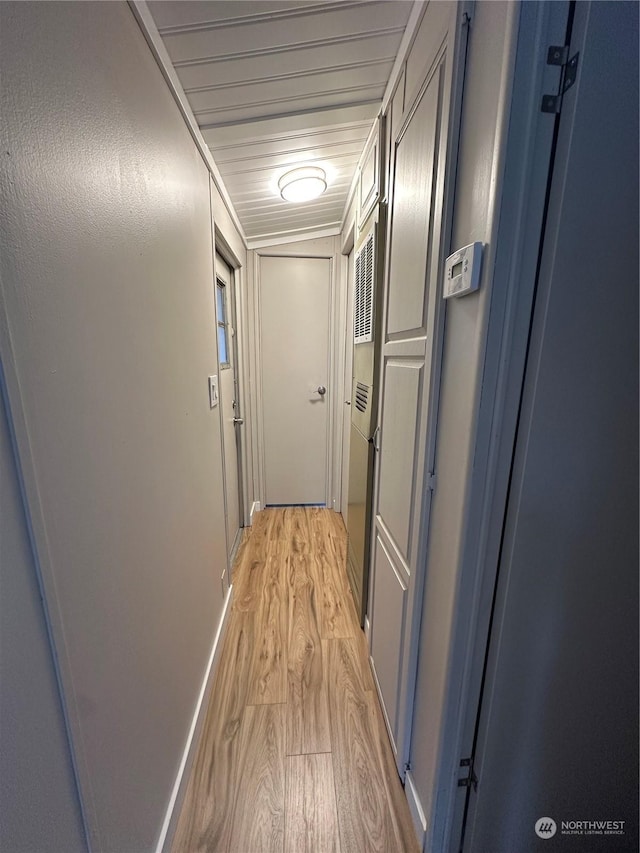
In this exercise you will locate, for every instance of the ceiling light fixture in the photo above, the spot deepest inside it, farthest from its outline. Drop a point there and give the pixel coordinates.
(303, 184)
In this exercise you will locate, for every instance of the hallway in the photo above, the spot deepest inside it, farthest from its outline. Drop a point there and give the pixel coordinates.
(294, 753)
(462, 181)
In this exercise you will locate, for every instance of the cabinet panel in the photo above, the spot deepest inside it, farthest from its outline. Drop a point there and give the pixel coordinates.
(389, 597)
(372, 173)
(401, 408)
(412, 207)
(431, 33)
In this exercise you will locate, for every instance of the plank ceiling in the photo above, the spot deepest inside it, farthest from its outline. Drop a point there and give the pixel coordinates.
(275, 84)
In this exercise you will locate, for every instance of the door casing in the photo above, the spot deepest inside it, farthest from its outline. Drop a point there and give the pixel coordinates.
(279, 486)
(327, 248)
(348, 276)
(230, 408)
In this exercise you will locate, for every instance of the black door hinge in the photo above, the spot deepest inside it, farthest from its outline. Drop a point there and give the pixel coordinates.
(470, 780)
(559, 55)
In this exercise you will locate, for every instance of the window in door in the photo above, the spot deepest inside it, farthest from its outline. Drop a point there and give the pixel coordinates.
(221, 311)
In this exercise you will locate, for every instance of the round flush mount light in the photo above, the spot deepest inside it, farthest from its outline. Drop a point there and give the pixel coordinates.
(303, 184)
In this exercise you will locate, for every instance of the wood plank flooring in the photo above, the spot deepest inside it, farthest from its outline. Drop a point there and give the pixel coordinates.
(294, 756)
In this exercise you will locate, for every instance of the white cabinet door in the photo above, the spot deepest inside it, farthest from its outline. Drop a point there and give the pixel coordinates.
(294, 342)
(402, 495)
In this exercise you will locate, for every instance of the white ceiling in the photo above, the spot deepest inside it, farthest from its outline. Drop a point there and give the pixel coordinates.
(279, 83)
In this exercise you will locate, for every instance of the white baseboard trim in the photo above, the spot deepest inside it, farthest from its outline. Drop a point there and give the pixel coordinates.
(196, 722)
(385, 716)
(255, 507)
(235, 549)
(415, 807)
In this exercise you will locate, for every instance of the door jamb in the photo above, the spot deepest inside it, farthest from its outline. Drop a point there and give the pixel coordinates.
(240, 341)
(344, 321)
(232, 344)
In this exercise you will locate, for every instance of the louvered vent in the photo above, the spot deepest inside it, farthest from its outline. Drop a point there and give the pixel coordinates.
(362, 396)
(363, 302)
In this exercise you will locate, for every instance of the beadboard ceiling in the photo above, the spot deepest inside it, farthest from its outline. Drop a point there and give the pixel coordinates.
(276, 84)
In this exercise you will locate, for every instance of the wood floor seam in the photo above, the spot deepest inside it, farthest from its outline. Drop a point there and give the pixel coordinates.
(294, 756)
(321, 752)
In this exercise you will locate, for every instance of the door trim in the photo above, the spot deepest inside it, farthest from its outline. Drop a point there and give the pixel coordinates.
(229, 283)
(344, 368)
(242, 373)
(337, 313)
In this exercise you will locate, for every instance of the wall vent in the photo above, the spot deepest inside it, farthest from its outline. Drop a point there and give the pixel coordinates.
(362, 396)
(363, 297)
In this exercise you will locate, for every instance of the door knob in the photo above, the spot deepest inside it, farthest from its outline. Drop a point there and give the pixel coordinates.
(238, 420)
(322, 390)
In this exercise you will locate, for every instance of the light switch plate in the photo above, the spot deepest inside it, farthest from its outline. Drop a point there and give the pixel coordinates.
(213, 391)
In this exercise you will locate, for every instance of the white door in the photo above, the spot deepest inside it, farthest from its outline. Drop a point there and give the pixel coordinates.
(294, 336)
(402, 495)
(229, 397)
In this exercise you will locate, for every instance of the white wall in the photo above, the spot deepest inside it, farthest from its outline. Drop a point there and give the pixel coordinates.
(561, 691)
(38, 796)
(466, 323)
(107, 284)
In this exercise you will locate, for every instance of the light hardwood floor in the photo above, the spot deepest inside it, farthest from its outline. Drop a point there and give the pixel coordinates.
(294, 756)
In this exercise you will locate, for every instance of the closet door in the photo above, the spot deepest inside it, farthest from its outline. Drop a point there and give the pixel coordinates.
(402, 493)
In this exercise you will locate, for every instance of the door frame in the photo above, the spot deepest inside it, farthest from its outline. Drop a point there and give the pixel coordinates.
(521, 166)
(233, 347)
(239, 286)
(304, 249)
(346, 368)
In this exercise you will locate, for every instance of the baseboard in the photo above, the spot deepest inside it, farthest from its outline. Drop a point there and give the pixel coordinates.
(180, 784)
(235, 548)
(415, 807)
(385, 717)
(255, 507)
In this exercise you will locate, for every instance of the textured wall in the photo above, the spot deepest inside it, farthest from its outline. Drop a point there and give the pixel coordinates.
(107, 280)
(558, 733)
(463, 353)
(38, 797)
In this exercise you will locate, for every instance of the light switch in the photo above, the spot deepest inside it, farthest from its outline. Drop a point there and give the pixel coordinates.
(213, 391)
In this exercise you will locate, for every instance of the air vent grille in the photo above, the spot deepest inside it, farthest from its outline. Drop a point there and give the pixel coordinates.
(362, 396)
(363, 301)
